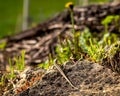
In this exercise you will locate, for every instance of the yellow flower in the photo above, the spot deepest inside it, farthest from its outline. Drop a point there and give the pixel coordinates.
(69, 5)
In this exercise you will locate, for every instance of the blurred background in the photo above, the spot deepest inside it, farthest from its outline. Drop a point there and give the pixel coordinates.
(18, 15)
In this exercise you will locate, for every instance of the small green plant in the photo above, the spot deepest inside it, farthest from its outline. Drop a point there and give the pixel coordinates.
(18, 64)
(97, 50)
(11, 74)
(64, 51)
(47, 63)
(2, 80)
(44, 65)
(90, 46)
(50, 60)
(19, 61)
(113, 49)
(14, 65)
(83, 44)
(70, 7)
(2, 45)
(84, 39)
(109, 19)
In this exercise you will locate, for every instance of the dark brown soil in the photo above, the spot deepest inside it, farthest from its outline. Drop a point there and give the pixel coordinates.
(91, 79)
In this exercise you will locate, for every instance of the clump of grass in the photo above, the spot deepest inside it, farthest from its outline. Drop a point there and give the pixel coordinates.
(17, 64)
(20, 61)
(12, 69)
(84, 45)
(14, 66)
(64, 51)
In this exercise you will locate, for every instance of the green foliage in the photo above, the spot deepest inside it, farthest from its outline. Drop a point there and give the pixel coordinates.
(87, 44)
(12, 69)
(108, 39)
(90, 46)
(19, 61)
(84, 39)
(18, 64)
(97, 49)
(64, 51)
(2, 45)
(50, 60)
(99, 1)
(47, 63)
(69, 48)
(44, 65)
(93, 50)
(109, 19)
(84, 45)
(2, 80)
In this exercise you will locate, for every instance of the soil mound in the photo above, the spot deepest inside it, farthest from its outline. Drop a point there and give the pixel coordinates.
(91, 79)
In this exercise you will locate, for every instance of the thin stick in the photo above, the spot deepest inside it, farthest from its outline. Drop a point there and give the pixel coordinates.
(62, 73)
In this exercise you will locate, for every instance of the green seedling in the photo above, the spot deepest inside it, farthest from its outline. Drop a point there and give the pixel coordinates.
(109, 19)
(20, 62)
(12, 74)
(44, 65)
(17, 65)
(47, 63)
(2, 80)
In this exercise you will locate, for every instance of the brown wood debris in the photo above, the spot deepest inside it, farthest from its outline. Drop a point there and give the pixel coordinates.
(41, 40)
